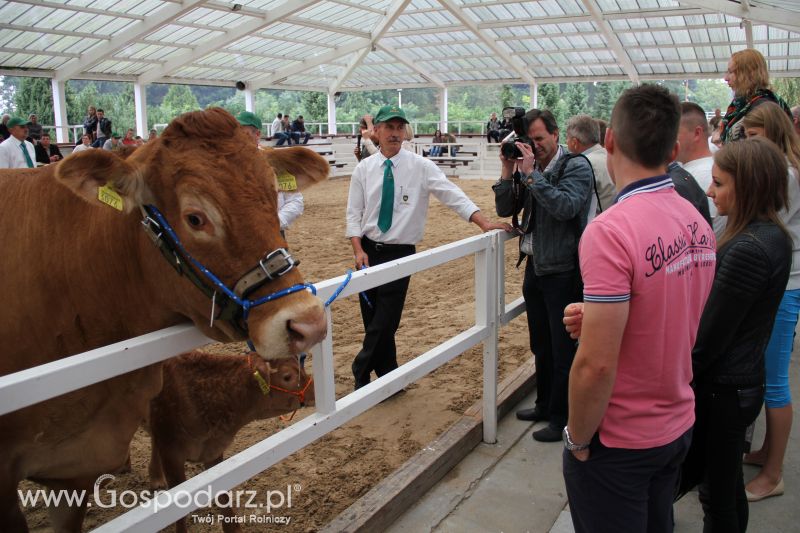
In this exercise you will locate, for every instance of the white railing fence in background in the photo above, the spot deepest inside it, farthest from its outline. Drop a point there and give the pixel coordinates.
(50, 380)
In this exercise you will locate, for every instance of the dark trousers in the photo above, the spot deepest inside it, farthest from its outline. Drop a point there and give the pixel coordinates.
(715, 458)
(381, 311)
(297, 134)
(545, 300)
(624, 490)
(493, 135)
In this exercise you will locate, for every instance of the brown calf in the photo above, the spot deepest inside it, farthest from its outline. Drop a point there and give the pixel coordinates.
(206, 400)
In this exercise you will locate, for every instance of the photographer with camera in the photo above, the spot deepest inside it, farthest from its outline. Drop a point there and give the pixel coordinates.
(552, 187)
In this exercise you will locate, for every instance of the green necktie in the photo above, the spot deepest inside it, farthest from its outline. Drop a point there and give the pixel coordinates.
(387, 199)
(27, 155)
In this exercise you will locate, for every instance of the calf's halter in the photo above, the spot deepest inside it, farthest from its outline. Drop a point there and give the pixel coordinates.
(234, 306)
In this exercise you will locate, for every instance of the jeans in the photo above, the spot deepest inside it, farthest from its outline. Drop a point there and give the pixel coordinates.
(779, 351)
(297, 134)
(621, 490)
(545, 300)
(282, 138)
(436, 151)
(715, 457)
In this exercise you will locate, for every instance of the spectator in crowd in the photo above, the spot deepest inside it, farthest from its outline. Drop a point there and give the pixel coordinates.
(408, 143)
(687, 187)
(436, 148)
(90, 122)
(4, 127)
(603, 125)
(86, 144)
(753, 262)
(506, 128)
(299, 130)
(153, 135)
(493, 129)
(47, 152)
(103, 131)
(796, 119)
(583, 137)
(553, 187)
(17, 151)
(113, 144)
(366, 145)
(138, 141)
(631, 406)
(451, 139)
(287, 128)
(290, 200)
(387, 208)
(770, 121)
(278, 131)
(748, 77)
(693, 151)
(34, 128)
(129, 140)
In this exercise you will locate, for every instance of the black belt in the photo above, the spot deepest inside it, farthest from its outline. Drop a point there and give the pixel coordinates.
(380, 246)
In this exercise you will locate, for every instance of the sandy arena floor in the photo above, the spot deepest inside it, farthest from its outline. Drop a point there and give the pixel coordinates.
(342, 466)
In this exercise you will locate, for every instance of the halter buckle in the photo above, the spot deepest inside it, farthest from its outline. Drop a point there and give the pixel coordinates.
(277, 263)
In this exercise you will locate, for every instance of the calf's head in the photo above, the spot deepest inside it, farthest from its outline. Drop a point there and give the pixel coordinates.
(219, 194)
(289, 386)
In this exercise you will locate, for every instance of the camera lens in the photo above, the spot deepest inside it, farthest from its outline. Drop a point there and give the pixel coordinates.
(510, 150)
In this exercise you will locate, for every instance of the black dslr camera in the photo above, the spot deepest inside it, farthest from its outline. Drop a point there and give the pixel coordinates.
(516, 117)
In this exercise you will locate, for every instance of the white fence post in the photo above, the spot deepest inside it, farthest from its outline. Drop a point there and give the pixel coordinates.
(324, 381)
(486, 316)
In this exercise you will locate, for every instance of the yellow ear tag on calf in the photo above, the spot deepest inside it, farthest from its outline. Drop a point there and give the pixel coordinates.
(262, 383)
(109, 196)
(287, 182)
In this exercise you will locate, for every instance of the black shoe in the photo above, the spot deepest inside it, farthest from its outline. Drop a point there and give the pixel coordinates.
(536, 414)
(547, 434)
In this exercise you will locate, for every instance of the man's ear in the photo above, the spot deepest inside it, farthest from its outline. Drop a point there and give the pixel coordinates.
(104, 179)
(307, 166)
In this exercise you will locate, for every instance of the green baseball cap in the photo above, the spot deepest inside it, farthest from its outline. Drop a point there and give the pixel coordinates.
(388, 112)
(246, 118)
(16, 121)
(116, 135)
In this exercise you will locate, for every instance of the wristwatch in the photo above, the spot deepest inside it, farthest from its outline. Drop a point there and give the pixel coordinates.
(571, 446)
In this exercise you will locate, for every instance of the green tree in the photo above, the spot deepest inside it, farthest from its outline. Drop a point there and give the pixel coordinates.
(315, 106)
(711, 94)
(35, 95)
(549, 95)
(577, 99)
(506, 97)
(8, 87)
(788, 89)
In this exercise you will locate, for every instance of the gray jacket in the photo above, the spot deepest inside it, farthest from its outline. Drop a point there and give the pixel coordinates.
(560, 208)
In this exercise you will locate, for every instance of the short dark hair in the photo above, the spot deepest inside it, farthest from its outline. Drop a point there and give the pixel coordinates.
(694, 116)
(299, 117)
(550, 123)
(602, 125)
(280, 115)
(45, 134)
(645, 123)
(100, 111)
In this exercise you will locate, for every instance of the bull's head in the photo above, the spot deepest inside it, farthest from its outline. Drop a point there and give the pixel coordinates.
(219, 194)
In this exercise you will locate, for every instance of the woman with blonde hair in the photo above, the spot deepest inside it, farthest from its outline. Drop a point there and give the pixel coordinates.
(748, 77)
(754, 256)
(770, 121)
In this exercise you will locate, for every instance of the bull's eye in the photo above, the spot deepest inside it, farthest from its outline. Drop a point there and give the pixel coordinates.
(196, 220)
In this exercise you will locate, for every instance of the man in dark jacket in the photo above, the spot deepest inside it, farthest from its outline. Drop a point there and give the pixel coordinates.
(103, 129)
(299, 130)
(553, 187)
(46, 152)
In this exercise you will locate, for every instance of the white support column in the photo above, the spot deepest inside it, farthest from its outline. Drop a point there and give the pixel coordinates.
(534, 87)
(249, 100)
(443, 109)
(60, 110)
(331, 114)
(140, 104)
(486, 315)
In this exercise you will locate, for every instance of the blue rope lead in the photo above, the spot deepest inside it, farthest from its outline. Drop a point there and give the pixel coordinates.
(341, 287)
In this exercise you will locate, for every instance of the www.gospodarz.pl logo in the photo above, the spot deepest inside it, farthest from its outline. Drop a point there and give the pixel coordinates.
(106, 498)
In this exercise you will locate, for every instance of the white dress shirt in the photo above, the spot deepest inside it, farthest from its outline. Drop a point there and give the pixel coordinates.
(277, 126)
(290, 206)
(11, 155)
(415, 179)
(700, 169)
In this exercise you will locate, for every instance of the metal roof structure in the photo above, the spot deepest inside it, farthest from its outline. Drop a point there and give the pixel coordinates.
(346, 45)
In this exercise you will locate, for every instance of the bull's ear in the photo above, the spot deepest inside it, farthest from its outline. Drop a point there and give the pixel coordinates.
(104, 179)
(307, 166)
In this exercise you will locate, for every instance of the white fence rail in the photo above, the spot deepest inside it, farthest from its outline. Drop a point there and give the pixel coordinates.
(47, 381)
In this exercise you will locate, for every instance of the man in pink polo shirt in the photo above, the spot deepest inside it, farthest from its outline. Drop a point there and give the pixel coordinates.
(647, 265)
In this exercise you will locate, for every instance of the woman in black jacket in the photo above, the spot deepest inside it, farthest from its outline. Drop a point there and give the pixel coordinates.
(754, 257)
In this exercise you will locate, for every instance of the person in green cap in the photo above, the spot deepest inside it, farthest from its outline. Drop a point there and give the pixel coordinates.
(386, 213)
(113, 144)
(16, 152)
(290, 201)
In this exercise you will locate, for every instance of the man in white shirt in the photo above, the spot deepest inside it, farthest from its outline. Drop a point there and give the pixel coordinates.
(290, 202)
(16, 152)
(583, 137)
(386, 213)
(693, 153)
(279, 131)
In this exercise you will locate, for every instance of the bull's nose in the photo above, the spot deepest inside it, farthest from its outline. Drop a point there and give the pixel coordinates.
(306, 330)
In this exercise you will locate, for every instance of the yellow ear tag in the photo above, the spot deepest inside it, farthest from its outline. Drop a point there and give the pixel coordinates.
(109, 196)
(262, 383)
(287, 182)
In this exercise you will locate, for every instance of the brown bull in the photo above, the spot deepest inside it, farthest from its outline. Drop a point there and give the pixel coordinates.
(76, 274)
(206, 400)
